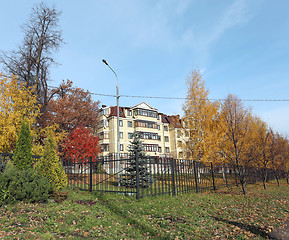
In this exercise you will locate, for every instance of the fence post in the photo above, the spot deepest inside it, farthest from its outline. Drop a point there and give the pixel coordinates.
(213, 177)
(137, 173)
(196, 178)
(90, 175)
(173, 176)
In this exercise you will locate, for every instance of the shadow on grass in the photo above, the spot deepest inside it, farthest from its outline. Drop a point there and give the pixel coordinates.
(253, 229)
(142, 228)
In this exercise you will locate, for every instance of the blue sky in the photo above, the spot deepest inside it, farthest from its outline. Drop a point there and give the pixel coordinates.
(240, 46)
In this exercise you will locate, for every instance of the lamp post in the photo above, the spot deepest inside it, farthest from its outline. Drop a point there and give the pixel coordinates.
(117, 117)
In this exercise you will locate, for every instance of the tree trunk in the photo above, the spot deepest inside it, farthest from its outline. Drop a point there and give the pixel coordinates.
(265, 179)
(243, 187)
(277, 179)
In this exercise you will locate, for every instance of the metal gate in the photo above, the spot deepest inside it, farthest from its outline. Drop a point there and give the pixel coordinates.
(131, 175)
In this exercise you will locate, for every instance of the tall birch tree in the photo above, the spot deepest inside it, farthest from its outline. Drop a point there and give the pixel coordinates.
(200, 120)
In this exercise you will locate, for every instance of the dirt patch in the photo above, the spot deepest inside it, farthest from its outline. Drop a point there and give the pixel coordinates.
(281, 233)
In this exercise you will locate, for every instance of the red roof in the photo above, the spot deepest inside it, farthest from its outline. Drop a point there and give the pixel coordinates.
(113, 112)
(165, 119)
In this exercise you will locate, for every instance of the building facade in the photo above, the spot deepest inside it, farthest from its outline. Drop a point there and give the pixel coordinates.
(161, 134)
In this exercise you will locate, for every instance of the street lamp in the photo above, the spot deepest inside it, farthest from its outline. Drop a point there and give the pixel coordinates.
(117, 117)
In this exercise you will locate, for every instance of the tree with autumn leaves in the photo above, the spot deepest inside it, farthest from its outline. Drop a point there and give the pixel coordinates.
(200, 119)
(18, 103)
(228, 133)
(235, 128)
(81, 144)
(70, 107)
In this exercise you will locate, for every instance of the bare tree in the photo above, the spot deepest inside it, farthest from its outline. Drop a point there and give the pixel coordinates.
(32, 60)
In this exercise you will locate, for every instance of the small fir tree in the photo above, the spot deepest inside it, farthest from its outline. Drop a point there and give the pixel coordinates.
(23, 157)
(50, 166)
(145, 177)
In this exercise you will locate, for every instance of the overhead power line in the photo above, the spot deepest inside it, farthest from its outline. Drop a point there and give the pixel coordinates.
(182, 98)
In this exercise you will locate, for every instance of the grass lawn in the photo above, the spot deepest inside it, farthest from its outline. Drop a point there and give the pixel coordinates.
(224, 214)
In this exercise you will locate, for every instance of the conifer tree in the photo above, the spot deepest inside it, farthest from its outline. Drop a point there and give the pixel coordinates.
(145, 177)
(23, 157)
(50, 165)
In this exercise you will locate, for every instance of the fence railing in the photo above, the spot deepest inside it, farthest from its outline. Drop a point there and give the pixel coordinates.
(155, 176)
(5, 157)
(152, 176)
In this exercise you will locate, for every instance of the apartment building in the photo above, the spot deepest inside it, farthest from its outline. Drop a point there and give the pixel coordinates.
(161, 134)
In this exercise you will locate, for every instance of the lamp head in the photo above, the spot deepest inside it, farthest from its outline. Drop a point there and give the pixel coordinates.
(105, 62)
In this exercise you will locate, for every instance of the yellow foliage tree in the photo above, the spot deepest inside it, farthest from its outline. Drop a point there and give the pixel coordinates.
(42, 133)
(236, 126)
(17, 104)
(200, 120)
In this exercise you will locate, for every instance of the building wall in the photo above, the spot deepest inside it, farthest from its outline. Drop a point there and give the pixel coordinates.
(151, 124)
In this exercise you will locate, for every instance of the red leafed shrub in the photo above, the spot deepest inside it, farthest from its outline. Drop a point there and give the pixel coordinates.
(81, 144)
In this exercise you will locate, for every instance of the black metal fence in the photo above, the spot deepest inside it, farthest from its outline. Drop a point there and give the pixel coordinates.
(154, 176)
(5, 157)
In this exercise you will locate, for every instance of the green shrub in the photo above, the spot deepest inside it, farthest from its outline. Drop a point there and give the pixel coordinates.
(23, 185)
(23, 156)
(50, 166)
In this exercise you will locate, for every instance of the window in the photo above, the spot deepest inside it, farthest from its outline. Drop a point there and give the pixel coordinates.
(180, 144)
(103, 135)
(129, 123)
(146, 124)
(160, 149)
(104, 112)
(159, 138)
(166, 139)
(104, 147)
(121, 147)
(103, 123)
(145, 112)
(179, 133)
(165, 128)
(151, 147)
(167, 150)
(128, 112)
(121, 135)
(120, 123)
(129, 135)
(148, 135)
(159, 128)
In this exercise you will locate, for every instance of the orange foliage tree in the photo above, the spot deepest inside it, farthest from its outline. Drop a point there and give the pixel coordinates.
(235, 126)
(70, 107)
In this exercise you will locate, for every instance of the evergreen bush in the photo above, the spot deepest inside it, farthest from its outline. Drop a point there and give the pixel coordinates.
(50, 165)
(145, 177)
(22, 157)
(23, 185)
